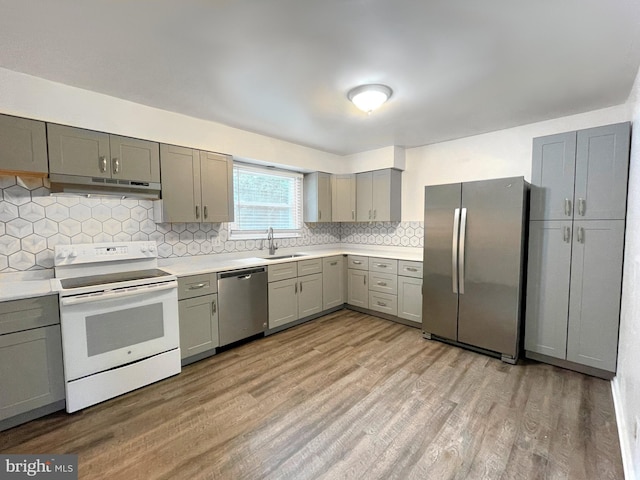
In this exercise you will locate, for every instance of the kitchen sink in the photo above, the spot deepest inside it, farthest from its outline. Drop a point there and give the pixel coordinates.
(282, 257)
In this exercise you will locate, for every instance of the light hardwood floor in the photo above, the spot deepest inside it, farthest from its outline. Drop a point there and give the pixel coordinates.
(344, 396)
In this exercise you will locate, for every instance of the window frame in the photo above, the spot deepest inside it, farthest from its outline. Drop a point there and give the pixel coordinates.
(238, 234)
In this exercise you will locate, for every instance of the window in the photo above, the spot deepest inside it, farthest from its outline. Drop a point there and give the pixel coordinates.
(264, 198)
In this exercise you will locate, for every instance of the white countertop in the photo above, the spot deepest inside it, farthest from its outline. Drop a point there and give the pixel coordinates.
(15, 286)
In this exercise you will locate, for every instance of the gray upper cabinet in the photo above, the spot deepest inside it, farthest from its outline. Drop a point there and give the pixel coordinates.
(552, 176)
(581, 174)
(602, 166)
(23, 146)
(594, 310)
(317, 197)
(197, 186)
(343, 198)
(75, 151)
(378, 196)
(548, 287)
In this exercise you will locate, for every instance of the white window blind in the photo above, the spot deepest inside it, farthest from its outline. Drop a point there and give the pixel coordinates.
(264, 198)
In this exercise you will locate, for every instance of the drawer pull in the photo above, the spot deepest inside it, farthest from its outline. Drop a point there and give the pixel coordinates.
(381, 265)
(198, 286)
(411, 269)
(333, 263)
(357, 262)
(381, 304)
(213, 308)
(382, 284)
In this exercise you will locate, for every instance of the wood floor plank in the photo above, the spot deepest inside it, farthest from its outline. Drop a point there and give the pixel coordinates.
(346, 396)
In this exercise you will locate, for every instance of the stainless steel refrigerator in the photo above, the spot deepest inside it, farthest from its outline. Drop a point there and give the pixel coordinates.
(474, 249)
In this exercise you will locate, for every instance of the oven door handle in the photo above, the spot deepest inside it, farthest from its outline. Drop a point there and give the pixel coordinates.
(118, 294)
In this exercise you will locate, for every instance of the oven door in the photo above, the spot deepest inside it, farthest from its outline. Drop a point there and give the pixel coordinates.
(114, 328)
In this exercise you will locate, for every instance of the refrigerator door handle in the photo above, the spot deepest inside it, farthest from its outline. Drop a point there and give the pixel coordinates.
(463, 229)
(454, 250)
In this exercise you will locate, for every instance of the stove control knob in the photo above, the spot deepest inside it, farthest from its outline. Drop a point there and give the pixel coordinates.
(143, 249)
(64, 253)
(152, 248)
(73, 253)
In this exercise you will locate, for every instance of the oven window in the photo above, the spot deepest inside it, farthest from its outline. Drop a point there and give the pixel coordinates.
(115, 330)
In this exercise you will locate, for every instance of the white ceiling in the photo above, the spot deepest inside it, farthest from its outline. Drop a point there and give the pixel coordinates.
(282, 67)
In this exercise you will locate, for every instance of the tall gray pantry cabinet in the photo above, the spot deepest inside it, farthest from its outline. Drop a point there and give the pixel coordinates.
(576, 240)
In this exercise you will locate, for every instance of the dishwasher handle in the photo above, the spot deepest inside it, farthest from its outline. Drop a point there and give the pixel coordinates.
(243, 274)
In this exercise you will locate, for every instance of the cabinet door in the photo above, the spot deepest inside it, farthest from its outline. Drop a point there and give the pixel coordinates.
(23, 145)
(602, 166)
(364, 196)
(596, 278)
(324, 197)
(332, 282)
(410, 299)
(309, 295)
(548, 288)
(73, 151)
(343, 198)
(31, 372)
(283, 302)
(198, 325)
(217, 187)
(552, 177)
(134, 159)
(180, 184)
(357, 288)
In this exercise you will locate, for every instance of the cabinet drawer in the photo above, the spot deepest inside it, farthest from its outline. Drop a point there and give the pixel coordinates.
(18, 315)
(383, 302)
(282, 271)
(383, 282)
(410, 269)
(385, 265)
(358, 262)
(197, 285)
(308, 267)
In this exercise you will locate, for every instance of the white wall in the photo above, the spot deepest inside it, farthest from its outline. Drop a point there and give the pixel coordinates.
(626, 384)
(33, 97)
(505, 153)
(386, 157)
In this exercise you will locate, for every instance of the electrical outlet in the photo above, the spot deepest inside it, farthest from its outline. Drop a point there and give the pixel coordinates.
(215, 241)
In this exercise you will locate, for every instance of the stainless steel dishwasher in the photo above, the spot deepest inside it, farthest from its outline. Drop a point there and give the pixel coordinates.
(242, 303)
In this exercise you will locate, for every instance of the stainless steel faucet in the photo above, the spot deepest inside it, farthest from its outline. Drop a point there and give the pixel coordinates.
(272, 245)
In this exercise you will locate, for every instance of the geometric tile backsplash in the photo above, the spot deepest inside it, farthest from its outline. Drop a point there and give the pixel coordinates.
(32, 222)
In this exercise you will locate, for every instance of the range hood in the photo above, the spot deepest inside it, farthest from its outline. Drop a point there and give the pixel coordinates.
(103, 186)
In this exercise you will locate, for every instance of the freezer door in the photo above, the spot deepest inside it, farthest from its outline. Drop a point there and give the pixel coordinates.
(491, 244)
(440, 286)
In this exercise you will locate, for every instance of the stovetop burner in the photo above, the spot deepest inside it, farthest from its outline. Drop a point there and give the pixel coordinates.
(92, 280)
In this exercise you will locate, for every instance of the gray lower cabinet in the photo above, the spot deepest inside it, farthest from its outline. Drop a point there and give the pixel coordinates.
(357, 288)
(410, 299)
(333, 282)
(198, 316)
(573, 291)
(31, 372)
(23, 146)
(293, 297)
(75, 151)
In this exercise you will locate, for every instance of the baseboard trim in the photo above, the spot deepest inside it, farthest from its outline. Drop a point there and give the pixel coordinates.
(623, 431)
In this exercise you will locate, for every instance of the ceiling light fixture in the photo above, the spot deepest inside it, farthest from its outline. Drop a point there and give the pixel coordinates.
(369, 97)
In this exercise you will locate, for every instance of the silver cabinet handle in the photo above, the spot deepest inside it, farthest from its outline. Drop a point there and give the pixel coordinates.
(382, 284)
(463, 230)
(580, 235)
(197, 211)
(319, 214)
(102, 164)
(333, 263)
(198, 286)
(205, 211)
(300, 287)
(582, 206)
(567, 207)
(296, 288)
(566, 234)
(382, 304)
(115, 165)
(369, 214)
(357, 262)
(213, 307)
(353, 214)
(411, 269)
(365, 279)
(374, 213)
(454, 250)
(381, 265)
